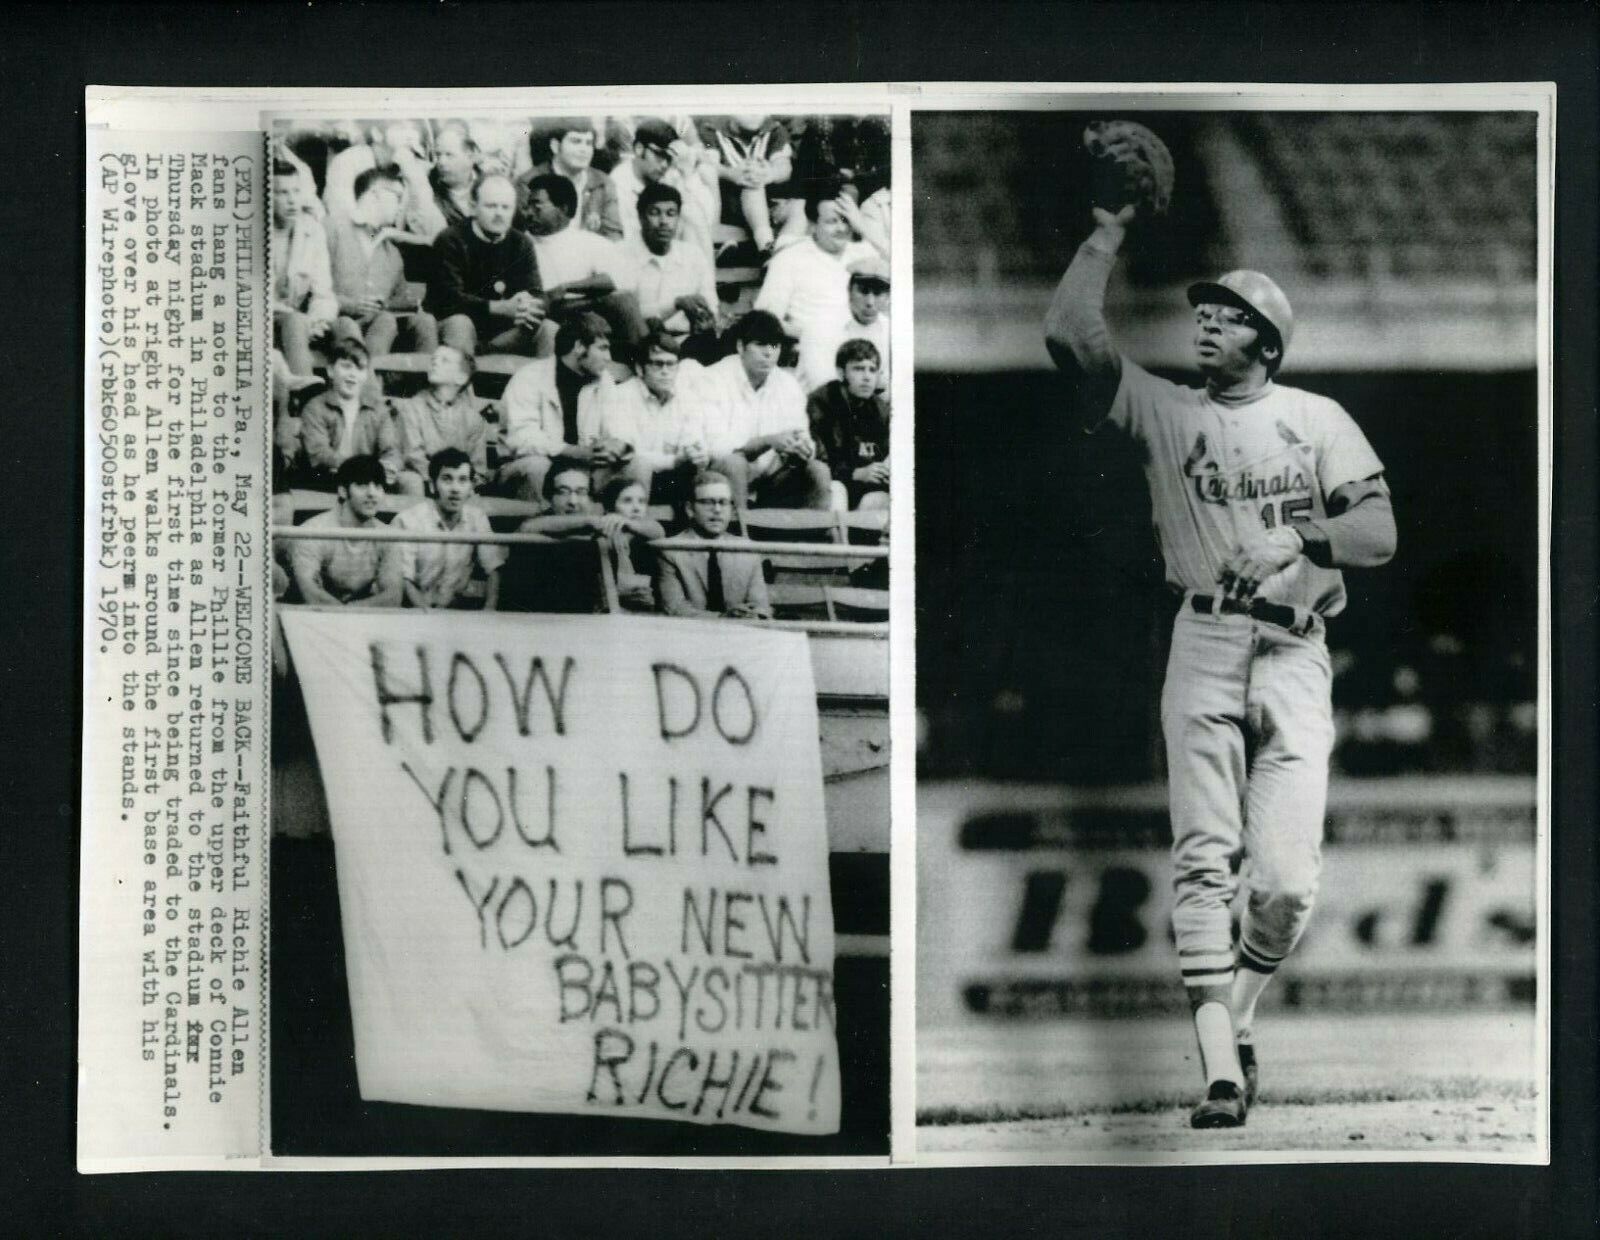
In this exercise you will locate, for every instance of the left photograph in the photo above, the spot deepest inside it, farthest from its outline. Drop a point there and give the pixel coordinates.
(580, 666)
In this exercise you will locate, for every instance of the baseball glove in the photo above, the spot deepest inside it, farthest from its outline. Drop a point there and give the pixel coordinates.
(1129, 165)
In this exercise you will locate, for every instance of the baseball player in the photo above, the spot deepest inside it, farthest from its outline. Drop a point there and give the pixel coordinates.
(1260, 494)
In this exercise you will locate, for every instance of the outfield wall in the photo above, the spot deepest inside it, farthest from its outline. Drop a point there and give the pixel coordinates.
(1048, 903)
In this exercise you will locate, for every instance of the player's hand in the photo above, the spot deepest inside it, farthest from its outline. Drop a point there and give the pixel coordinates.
(611, 526)
(696, 455)
(1258, 558)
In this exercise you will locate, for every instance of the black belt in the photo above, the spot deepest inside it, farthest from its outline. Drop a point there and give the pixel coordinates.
(1257, 609)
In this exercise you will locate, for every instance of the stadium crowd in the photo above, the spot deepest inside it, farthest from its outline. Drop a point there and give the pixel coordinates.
(596, 317)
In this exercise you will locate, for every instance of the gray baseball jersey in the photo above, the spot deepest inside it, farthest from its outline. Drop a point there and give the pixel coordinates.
(1219, 470)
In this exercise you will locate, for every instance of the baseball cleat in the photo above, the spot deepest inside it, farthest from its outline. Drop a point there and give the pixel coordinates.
(1224, 1107)
(1247, 1061)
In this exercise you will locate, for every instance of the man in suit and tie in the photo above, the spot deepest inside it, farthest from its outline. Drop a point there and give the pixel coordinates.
(711, 583)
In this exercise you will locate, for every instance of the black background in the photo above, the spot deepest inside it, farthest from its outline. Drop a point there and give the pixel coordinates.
(47, 56)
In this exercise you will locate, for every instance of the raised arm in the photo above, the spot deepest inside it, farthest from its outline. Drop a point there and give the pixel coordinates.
(422, 218)
(1075, 329)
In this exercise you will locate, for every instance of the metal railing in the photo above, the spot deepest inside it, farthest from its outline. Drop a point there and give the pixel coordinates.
(820, 551)
(826, 551)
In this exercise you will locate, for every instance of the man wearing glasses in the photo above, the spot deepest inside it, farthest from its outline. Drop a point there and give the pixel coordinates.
(1261, 494)
(711, 583)
(657, 417)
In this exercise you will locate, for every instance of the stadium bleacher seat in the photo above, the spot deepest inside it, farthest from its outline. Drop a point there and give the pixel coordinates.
(809, 601)
(1412, 196)
(738, 281)
(796, 525)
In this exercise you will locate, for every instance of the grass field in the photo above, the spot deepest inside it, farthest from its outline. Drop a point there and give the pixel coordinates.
(1421, 1083)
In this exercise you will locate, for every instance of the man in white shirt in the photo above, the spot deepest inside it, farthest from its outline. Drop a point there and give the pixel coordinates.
(549, 408)
(656, 267)
(756, 430)
(579, 268)
(462, 575)
(807, 287)
(659, 418)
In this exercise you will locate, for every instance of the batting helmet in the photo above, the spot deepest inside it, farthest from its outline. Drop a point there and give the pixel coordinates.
(1252, 291)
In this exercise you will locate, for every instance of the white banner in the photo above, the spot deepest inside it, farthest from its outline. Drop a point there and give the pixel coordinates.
(582, 863)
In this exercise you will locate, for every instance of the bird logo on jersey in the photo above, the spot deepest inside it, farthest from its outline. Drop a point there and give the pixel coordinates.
(1289, 437)
(1208, 484)
(1199, 462)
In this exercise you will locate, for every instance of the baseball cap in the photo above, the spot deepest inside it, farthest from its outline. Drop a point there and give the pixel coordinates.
(871, 268)
(656, 134)
(1252, 291)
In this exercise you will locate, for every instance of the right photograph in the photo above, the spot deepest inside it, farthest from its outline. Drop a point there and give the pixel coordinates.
(1231, 526)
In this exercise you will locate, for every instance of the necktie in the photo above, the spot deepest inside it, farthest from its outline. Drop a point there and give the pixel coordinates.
(715, 601)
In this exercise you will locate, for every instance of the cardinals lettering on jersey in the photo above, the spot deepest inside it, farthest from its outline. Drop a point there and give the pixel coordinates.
(1212, 486)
